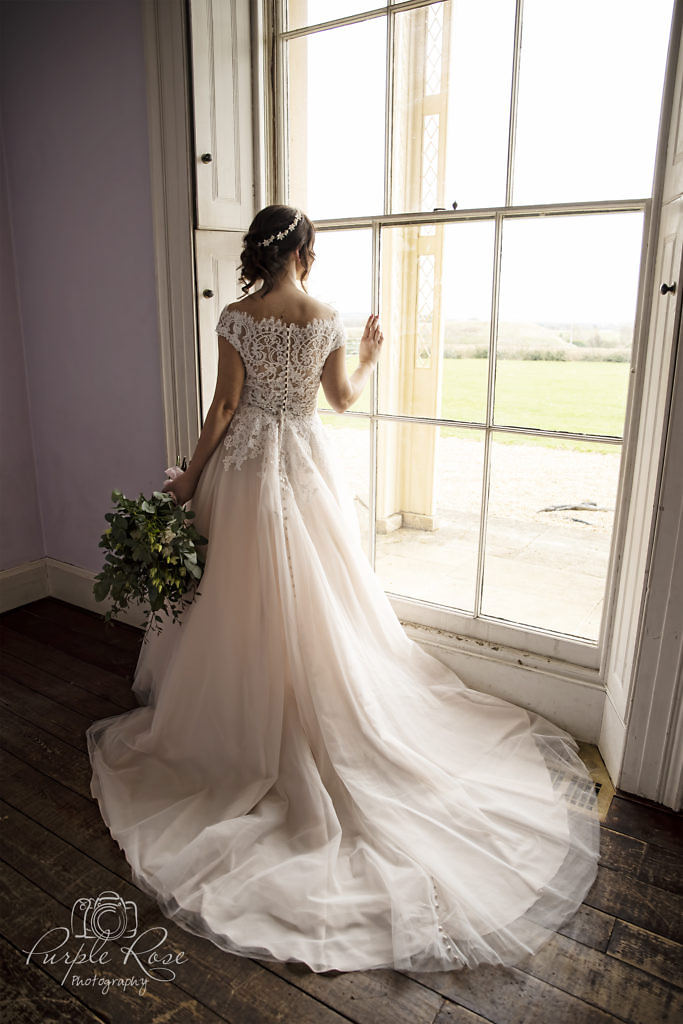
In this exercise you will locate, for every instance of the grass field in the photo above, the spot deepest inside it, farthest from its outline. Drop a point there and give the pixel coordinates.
(584, 397)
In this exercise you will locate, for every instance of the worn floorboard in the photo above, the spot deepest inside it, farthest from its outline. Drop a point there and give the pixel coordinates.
(619, 958)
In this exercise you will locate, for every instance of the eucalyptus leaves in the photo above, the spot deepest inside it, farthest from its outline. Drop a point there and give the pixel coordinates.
(152, 556)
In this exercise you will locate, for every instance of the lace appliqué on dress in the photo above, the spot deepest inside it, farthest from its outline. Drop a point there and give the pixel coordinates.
(252, 432)
(283, 364)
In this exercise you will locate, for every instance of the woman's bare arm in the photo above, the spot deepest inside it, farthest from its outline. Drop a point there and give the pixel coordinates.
(341, 391)
(229, 384)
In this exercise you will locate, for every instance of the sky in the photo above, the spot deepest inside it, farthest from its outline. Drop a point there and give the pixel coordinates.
(589, 97)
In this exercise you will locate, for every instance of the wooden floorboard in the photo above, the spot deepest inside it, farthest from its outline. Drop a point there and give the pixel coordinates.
(30, 996)
(618, 959)
(60, 665)
(641, 820)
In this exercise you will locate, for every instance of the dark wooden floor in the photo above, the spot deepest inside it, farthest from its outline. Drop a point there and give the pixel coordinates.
(619, 959)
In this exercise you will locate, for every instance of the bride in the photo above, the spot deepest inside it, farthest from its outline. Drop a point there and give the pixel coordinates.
(301, 781)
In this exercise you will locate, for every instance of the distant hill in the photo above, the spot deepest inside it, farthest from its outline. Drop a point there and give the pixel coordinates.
(510, 335)
(573, 341)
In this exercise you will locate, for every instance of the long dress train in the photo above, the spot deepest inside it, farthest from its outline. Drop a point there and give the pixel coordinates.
(302, 781)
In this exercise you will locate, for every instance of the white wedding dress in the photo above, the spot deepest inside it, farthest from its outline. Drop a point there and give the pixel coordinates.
(302, 781)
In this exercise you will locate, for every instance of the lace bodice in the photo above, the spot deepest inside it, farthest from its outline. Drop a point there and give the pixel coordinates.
(283, 362)
(277, 409)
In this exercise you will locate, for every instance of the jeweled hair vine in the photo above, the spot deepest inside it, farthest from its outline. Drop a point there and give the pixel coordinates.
(281, 234)
(274, 234)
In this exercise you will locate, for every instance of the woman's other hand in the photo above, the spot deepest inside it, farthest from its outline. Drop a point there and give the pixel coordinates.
(179, 485)
(371, 342)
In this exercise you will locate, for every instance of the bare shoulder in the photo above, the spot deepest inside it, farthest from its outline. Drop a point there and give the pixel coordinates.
(296, 308)
(304, 308)
(317, 310)
(240, 304)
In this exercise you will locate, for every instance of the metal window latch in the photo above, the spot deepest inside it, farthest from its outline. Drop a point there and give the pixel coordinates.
(206, 158)
(668, 288)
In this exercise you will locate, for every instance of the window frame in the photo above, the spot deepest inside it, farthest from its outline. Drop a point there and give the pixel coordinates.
(612, 704)
(582, 656)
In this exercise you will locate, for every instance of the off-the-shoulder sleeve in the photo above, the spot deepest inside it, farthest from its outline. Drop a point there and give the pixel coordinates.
(231, 327)
(338, 333)
(226, 323)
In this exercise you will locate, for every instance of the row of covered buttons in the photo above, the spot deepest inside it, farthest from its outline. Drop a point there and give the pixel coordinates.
(283, 476)
(289, 343)
(447, 942)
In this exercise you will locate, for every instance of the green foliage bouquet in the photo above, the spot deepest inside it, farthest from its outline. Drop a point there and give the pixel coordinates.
(152, 556)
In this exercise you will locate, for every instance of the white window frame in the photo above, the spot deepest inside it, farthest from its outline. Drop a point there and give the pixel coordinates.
(611, 702)
(582, 658)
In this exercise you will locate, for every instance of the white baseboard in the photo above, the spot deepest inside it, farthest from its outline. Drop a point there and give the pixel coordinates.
(23, 584)
(48, 577)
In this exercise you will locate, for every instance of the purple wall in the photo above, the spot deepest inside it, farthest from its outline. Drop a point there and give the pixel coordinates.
(21, 535)
(73, 106)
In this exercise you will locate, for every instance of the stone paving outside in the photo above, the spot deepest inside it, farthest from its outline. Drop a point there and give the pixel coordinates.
(542, 568)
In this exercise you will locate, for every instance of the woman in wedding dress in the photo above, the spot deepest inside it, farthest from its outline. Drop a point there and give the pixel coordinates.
(301, 780)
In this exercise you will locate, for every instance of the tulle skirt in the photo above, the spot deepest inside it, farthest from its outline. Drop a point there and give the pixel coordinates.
(302, 782)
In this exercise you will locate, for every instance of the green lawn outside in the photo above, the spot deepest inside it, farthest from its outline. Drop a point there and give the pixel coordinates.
(586, 397)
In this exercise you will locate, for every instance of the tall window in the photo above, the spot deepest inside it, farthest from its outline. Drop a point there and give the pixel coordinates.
(480, 172)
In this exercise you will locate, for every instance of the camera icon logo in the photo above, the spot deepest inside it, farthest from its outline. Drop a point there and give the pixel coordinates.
(108, 916)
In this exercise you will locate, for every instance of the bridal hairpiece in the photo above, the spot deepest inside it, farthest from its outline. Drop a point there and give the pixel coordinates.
(281, 234)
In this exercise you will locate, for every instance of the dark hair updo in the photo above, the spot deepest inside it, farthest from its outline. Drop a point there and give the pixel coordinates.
(267, 262)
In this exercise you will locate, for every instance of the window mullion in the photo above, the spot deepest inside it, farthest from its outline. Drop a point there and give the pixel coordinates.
(498, 428)
(488, 433)
(360, 16)
(388, 177)
(282, 107)
(388, 115)
(514, 96)
(374, 395)
(484, 213)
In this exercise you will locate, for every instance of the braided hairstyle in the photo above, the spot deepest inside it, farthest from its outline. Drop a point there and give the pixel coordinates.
(267, 263)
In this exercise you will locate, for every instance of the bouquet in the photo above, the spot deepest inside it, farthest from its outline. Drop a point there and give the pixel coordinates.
(152, 554)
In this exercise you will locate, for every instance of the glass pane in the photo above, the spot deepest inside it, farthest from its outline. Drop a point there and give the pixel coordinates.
(549, 530)
(435, 315)
(342, 276)
(336, 157)
(313, 12)
(590, 92)
(566, 319)
(349, 438)
(451, 103)
(428, 507)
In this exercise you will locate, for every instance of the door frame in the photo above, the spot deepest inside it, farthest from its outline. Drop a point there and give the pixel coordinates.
(171, 152)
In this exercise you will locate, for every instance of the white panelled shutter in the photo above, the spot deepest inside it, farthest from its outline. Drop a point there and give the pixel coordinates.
(217, 254)
(221, 74)
(224, 163)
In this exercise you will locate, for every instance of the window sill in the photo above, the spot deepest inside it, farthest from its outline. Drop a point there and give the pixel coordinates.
(497, 640)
